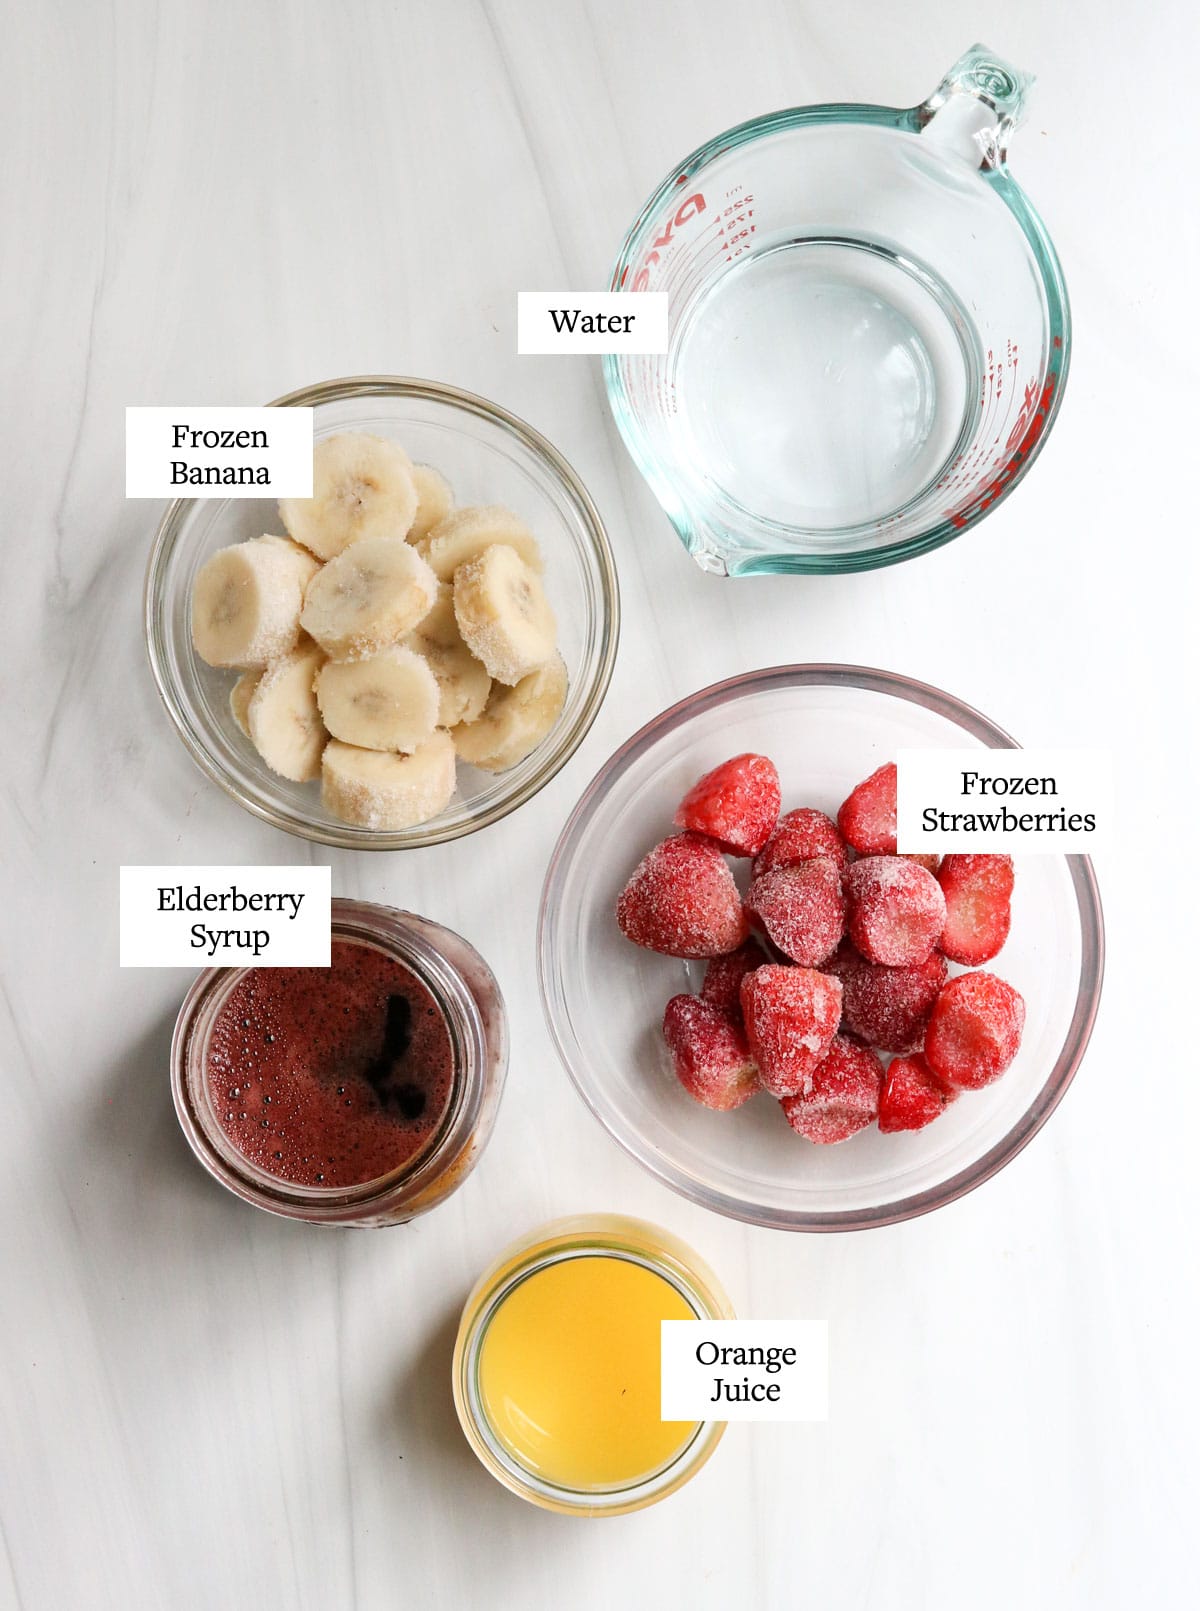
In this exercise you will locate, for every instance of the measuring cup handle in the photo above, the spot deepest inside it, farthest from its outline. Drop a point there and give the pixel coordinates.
(976, 107)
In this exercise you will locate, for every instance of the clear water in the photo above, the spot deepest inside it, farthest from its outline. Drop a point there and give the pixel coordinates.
(822, 384)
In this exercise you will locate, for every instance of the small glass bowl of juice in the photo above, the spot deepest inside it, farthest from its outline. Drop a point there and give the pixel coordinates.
(557, 1365)
(358, 1094)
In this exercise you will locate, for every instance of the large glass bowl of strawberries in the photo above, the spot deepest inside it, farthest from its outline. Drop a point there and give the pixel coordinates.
(769, 1008)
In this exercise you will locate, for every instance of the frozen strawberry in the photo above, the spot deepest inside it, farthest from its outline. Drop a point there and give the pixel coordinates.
(887, 1007)
(712, 1060)
(723, 977)
(842, 1097)
(801, 836)
(867, 818)
(913, 1096)
(896, 910)
(978, 891)
(791, 1016)
(737, 804)
(974, 1030)
(930, 863)
(801, 909)
(682, 901)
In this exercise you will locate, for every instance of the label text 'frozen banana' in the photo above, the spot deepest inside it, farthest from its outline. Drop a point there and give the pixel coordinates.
(218, 452)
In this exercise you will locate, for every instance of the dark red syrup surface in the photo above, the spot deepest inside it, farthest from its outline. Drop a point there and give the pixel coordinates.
(330, 1077)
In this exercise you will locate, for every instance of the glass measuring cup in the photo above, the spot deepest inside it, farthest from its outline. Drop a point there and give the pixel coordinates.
(869, 330)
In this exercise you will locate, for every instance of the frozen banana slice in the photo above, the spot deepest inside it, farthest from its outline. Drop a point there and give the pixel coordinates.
(463, 536)
(283, 719)
(389, 702)
(463, 681)
(368, 597)
(503, 614)
(240, 696)
(362, 487)
(376, 789)
(246, 602)
(514, 720)
(435, 499)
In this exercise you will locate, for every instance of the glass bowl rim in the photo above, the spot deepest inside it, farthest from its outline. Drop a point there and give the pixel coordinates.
(1027, 1124)
(901, 120)
(609, 629)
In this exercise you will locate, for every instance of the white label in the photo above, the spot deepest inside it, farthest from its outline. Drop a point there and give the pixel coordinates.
(591, 321)
(991, 801)
(186, 917)
(218, 452)
(745, 1370)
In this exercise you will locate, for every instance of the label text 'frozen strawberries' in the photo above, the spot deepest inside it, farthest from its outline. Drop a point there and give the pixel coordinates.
(1003, 801)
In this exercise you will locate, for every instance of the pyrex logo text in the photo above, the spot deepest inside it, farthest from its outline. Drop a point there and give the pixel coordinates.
(686, 209)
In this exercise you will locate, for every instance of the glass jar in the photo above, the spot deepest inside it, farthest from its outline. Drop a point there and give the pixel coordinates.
(613, 1236)
(465, 991)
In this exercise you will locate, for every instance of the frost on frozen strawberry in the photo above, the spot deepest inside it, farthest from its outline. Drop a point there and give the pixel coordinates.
(723, 977)
(791, 1017)
(842, 1097)
(800, 909)
(929, 862)
(800, 836)
(896, 910)
(974, 1030)
(978, 892)
(737, 804)
(867, 817)
(887, 1007)
(712, 1060)
(682, 901)
(913, 1095)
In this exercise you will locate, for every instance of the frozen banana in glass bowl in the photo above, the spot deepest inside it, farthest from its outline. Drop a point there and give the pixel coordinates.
(410, 653)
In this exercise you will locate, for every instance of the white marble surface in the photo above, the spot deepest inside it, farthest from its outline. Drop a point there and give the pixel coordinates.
(202, 1407)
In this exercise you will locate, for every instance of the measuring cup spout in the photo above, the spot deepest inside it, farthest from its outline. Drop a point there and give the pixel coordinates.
(707, 544)
(976, 107)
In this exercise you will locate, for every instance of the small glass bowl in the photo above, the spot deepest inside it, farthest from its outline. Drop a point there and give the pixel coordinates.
(826, 727)
(489, 456)
(465, 990)
(606, 1234)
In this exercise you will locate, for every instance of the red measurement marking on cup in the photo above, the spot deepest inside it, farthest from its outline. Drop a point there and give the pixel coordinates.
(691, 207)
(1021, 442)
(998, 386)
(685, 248)
(1002, 444)
(737, 226)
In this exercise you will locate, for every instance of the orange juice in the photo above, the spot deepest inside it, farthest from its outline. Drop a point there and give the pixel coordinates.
(569, 1372)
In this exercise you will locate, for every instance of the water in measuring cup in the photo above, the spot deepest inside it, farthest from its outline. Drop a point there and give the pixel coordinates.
(823, 383)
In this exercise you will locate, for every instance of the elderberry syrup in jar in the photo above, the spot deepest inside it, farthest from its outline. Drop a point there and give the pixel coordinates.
(358, 1094)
